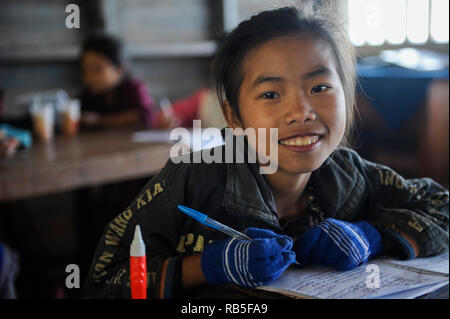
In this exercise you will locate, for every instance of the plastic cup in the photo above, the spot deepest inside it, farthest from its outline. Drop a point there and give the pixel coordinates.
(43, 121)
(70, 117)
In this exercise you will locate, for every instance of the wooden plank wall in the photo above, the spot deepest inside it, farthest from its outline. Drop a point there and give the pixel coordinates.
(162, 21)
(37, 51)
(33, 25)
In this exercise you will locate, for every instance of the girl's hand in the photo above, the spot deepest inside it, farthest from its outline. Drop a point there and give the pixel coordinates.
(162, 122)
(338, 244)
(247, 263)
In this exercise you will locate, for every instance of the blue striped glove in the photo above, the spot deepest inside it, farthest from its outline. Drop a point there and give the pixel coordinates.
(247, 263)
(338, 244)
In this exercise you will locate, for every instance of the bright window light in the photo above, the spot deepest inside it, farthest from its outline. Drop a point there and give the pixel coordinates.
(395, 21)
(356, 22)
(374, 26)
(374, 22)
(439, 21)
(417, 21)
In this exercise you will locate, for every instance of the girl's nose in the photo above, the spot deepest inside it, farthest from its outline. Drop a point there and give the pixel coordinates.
(299, 110)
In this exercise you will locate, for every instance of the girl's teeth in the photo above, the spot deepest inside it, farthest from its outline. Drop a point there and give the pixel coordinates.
(301, 141)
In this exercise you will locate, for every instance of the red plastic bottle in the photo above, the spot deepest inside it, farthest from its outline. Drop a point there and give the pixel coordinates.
(138, 267)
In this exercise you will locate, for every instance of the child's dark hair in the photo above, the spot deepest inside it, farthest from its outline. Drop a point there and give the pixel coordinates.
(271, 24)
(106, 45)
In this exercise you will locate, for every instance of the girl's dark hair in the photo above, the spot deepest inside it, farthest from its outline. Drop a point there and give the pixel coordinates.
(106, 45)
(271, 24)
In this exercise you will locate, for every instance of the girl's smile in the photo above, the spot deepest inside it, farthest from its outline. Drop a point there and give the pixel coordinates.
(302, 144)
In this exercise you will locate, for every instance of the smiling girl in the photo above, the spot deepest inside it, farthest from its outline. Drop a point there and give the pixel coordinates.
(295, 72)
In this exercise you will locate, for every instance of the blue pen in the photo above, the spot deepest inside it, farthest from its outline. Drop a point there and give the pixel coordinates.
(205, 220)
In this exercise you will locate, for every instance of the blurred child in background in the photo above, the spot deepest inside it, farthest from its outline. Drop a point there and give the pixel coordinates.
(110, 96)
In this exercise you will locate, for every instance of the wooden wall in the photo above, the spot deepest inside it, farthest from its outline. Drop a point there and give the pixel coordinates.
(161, 21)
(170, 42)
(28, 25)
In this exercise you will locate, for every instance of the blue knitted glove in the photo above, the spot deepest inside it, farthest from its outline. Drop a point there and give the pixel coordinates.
(338, 244)
(247, 263)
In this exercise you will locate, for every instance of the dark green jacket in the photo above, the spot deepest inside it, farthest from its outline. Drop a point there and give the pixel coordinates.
(411, 214)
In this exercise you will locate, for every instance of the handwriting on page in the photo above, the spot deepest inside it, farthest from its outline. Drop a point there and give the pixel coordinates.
(439, 264)
(323, 282)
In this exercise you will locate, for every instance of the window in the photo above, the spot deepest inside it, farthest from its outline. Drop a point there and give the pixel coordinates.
(376, 22)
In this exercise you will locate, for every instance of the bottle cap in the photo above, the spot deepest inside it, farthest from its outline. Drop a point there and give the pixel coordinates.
(137, 248)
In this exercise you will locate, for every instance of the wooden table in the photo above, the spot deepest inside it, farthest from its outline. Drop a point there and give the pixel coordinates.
(90, 159)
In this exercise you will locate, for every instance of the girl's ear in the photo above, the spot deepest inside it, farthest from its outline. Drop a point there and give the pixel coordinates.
(230, 115)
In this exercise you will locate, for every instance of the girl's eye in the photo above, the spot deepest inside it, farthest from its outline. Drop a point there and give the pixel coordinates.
(319, 88)
(270, 95)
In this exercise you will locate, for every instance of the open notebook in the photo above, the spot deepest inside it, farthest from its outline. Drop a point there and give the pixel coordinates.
(396, 279)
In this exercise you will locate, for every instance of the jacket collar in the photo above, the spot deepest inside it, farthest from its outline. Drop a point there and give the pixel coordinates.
(246, 190)
(338, 186)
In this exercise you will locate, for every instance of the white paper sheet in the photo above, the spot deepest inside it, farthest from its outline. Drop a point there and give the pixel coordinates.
(325, 282)
(438, 264)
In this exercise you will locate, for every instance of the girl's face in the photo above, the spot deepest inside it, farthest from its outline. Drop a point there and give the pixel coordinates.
(98, 74)
(291, 83)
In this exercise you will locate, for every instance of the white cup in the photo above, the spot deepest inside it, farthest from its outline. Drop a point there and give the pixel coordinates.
(70, 117)
(43, 120)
